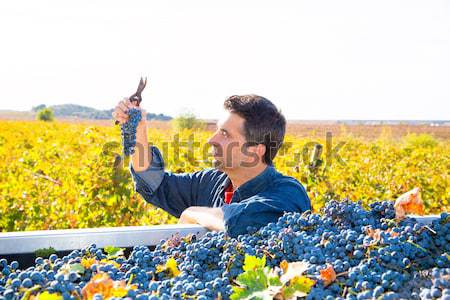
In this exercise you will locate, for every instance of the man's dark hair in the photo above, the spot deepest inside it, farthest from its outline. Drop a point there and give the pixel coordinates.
(264, 123)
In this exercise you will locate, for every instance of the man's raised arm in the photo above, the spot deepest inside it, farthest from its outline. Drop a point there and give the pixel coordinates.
(141, 159)
(169, 191)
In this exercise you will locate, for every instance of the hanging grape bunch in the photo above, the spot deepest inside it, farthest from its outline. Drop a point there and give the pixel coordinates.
(128, 129)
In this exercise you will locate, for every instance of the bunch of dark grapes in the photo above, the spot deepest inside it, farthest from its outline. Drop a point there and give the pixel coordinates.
(436, 285)
(128, 131)
(374, 256)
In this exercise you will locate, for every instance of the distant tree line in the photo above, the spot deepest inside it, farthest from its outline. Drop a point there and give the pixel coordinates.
(85, 112)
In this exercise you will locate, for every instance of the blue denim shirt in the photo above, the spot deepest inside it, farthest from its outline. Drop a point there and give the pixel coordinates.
(255, 203)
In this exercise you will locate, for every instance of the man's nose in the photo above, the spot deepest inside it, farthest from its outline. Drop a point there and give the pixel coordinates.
(212, 139)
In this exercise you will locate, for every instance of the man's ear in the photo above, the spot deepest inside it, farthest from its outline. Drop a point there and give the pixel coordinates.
(261, 150)
(256, 151)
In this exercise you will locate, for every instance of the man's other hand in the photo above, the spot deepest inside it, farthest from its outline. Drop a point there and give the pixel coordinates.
(210, 218)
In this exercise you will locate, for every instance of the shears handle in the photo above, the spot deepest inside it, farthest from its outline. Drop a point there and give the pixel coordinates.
(136, 97)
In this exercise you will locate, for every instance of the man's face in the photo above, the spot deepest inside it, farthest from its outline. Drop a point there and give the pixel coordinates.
(227, 144)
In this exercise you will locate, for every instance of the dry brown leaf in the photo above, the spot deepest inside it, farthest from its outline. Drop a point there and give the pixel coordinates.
(102, 284)
(375, 234)
(392, 232)
(410, 202)
(328, 275)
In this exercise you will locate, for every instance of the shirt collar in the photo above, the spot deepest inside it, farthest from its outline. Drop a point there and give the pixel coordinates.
(253, 186)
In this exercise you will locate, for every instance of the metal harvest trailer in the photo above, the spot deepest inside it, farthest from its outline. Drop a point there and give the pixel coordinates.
(21, 246)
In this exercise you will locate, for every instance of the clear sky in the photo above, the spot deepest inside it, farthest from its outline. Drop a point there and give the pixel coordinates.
(382, 59)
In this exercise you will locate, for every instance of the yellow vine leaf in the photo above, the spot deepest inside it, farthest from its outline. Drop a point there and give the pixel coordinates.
(170, 267)
(48, 296)
(88, 262)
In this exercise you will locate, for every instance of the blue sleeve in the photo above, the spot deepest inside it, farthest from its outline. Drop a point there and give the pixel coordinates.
(264, 208)
(170, 191)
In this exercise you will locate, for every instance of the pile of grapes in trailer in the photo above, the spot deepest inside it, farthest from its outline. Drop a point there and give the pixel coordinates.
(345, 252)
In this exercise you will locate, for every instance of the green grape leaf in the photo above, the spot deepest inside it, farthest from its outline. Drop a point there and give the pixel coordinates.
(78, 268)
(113, 252)
(44, 252)
(254, 279)
(260, 282)
(272, 277)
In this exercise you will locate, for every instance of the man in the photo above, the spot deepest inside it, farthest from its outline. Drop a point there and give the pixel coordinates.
(242, 190)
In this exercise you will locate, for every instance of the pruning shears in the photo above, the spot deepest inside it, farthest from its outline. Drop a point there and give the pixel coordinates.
(136, 97)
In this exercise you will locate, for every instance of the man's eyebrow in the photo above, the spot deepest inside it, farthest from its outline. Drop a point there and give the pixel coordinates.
(223, 129)
(219, 127)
